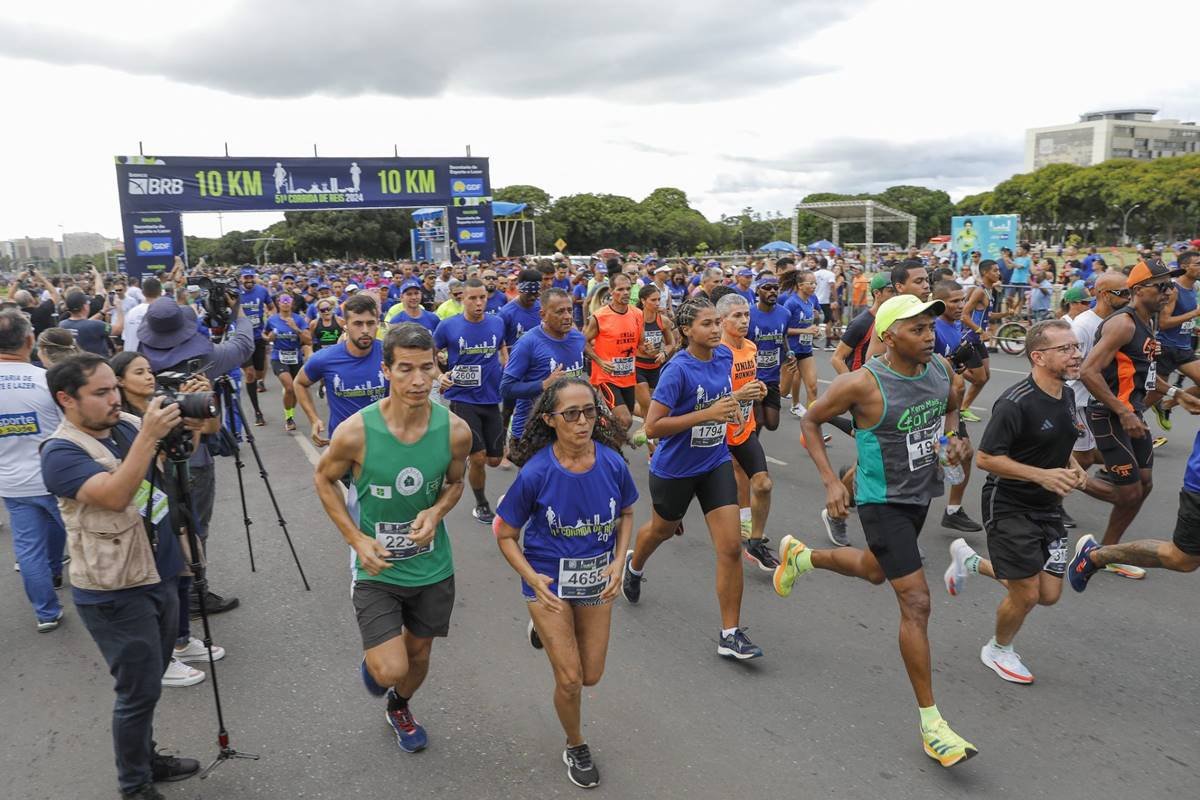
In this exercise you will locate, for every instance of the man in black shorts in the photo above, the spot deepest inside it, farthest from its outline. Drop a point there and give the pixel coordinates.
(1121, 374)
(1026, 451)
(983, 306)
(256, 301)
(1176, 333)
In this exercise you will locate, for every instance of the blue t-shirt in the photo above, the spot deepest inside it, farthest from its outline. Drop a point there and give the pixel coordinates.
(768, 331)
(495, 302)
(579, 293)
(688, 384)
(351, 382)
(947, 336)
(254, 304)
(562, 283)
(746, 293)
(1020, 273)
(427, 319)
(1180, 337)
(804, 314)
(1039, 300)
(534, 357)
(678, 293)
(519, 320)
(568, 515)
(286, 349)
(66, 467)
(473, 357)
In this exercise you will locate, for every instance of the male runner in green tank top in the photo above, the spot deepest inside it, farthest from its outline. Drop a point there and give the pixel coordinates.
(408, 457)
(902, 403)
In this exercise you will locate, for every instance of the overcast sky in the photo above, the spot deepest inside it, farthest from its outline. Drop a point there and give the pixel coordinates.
(757, 102)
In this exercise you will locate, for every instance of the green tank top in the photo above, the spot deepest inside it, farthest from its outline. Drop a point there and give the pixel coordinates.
(397, 482)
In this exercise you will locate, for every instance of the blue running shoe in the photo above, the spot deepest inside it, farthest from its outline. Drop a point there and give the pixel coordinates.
(369, 682)
(410, 736)
(1081, 568)
(738, 645)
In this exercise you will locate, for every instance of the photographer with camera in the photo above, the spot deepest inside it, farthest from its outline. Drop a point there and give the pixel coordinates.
(125, 554)
(170, 339)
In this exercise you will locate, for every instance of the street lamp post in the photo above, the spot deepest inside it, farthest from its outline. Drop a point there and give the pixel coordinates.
(1125, 222)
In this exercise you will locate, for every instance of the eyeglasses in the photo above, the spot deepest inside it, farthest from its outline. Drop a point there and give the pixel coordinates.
(1118, 292)
(1062, 348)
(572, 414)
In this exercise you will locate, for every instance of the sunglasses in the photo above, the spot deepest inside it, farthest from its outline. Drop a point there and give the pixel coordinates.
(572, 414)
(1118, 292)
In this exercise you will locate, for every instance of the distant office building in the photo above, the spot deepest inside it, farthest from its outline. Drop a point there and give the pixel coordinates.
(85, 244)
(1101, 135)
(35, 249)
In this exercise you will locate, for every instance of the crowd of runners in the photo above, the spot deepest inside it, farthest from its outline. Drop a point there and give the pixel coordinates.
(565, 375)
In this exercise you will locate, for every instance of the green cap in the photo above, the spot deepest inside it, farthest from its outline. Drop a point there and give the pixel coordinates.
(903, 306)
(1076, 294)
(880, 280)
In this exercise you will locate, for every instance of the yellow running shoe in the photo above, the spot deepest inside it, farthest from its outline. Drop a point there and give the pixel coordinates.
(945, 746)
(793, 562)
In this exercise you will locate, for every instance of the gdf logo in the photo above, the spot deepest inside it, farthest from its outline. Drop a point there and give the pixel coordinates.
(144, 184)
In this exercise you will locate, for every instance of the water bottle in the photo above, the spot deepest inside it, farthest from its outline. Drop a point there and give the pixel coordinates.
(953, 472)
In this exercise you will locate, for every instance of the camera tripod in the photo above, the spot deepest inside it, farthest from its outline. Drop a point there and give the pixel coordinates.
(232, 405)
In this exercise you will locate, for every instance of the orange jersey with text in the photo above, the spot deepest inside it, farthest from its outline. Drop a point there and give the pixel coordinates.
(745, 367)
(617, 344)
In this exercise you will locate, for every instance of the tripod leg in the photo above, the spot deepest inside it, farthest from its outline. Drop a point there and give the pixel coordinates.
(232, 414)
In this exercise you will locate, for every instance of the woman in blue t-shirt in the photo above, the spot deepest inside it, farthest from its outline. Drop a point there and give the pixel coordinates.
(803, 368)
(689, 411)
(287, 332)
(574, 498)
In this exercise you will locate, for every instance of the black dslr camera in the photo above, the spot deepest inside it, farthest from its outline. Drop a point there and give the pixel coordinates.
(217, 296)
(195, 405)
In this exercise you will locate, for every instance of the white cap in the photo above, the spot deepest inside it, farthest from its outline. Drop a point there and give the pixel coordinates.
(351, 287)
(663, 268)
(387, 273)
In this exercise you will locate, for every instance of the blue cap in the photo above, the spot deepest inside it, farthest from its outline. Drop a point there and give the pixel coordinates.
(287, 275)
(314, 282)
(248, 271)
(411, 283)
(324, 286)
(745, 272)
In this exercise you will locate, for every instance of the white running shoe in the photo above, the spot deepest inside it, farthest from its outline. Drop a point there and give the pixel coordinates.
(180, 674)
(797, 411)
(956, 573)
(1005, 663)
(196, 651)
(1126, 571)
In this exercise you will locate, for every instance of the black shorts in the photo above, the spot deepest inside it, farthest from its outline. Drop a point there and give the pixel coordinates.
(1187, 524)
(967, 355)
(622, 396)
(892, 530)
(771, 400)
(981, 353)
(1023, 545)
(278, 368)
(509, 406)
(258, 359)
(801, 356)
(649, 376)
(672, 496)
(384, 610)
(1124, 457)
(749, 455)
(827, 312)
(1171, 359)
(487, 428)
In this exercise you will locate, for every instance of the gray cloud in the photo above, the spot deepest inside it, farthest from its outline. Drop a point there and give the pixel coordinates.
(671, 50)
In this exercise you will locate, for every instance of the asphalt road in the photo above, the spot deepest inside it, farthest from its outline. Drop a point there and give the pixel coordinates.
(828, 711)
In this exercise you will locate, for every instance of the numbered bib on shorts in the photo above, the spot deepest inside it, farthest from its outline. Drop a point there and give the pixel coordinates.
(1151, 376)
(708, 434)
(395, 536)
(1188, 327)
(1056, 564)
(747, 407)
(582, 577)
(289, 356)
(467, 374)
(922, 450)
(805, 340)
(653, 341)
(767, 359)
(622, 366)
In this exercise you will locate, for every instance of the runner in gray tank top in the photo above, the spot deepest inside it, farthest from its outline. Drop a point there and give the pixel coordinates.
(902, 404)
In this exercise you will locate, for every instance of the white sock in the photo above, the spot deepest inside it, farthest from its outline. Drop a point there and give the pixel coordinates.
(744, 513)
(728, 632)
(952, 509)
(629, 566)
(1005, 647)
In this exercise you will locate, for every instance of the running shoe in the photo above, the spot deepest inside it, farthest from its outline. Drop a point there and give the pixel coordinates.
(289, 425)
(631, 585)
(967, 415)
(1126, 571)
(531, 633)
(483, 513)
(1163, 415)
(196, 651)
(738, 645)
(1067, 520)
(258, 419)
(835, 529)
(758, 552)
(180, 674)
(945, 746)
(51, 624)
(639, 439)
(57, 581)
(262, 386)
(1081, 569)
(797, 410)
(410, 736)
(369, 681)
(955, 576)
(959, 521)
(794, 563)
(580, 767)
(1159, 441)
(1005, 663)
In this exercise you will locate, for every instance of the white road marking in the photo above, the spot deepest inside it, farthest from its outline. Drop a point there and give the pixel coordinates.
(776, 461)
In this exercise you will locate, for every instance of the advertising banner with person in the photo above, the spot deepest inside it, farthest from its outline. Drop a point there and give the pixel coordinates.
(986, 233)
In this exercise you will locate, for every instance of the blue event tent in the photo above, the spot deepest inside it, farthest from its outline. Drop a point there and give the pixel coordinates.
(822, 244)
(777, 247)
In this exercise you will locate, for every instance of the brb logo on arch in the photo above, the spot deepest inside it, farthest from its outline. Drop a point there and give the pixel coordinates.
(141, 183)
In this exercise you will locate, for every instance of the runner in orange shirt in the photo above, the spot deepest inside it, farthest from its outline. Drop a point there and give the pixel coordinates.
(614, 334)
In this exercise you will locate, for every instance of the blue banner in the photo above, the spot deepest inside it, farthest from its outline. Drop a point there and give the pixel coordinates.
(985, 233)
(151, 243)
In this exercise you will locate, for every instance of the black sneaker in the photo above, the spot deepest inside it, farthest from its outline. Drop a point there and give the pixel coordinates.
(57, 580)
(535, 641)
(147, 792)
(631, 585)
(1067, 520)
(758, 552)
(580, 769)
(258, 419)
(262, 386)
(738, 645)
(835, 529)
(959, 521)
(483, 513)
(213, 604)
(168, 769)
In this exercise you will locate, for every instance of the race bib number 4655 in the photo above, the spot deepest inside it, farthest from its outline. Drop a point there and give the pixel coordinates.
(582, 577)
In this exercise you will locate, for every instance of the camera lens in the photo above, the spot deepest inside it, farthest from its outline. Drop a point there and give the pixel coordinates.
(197, 405)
